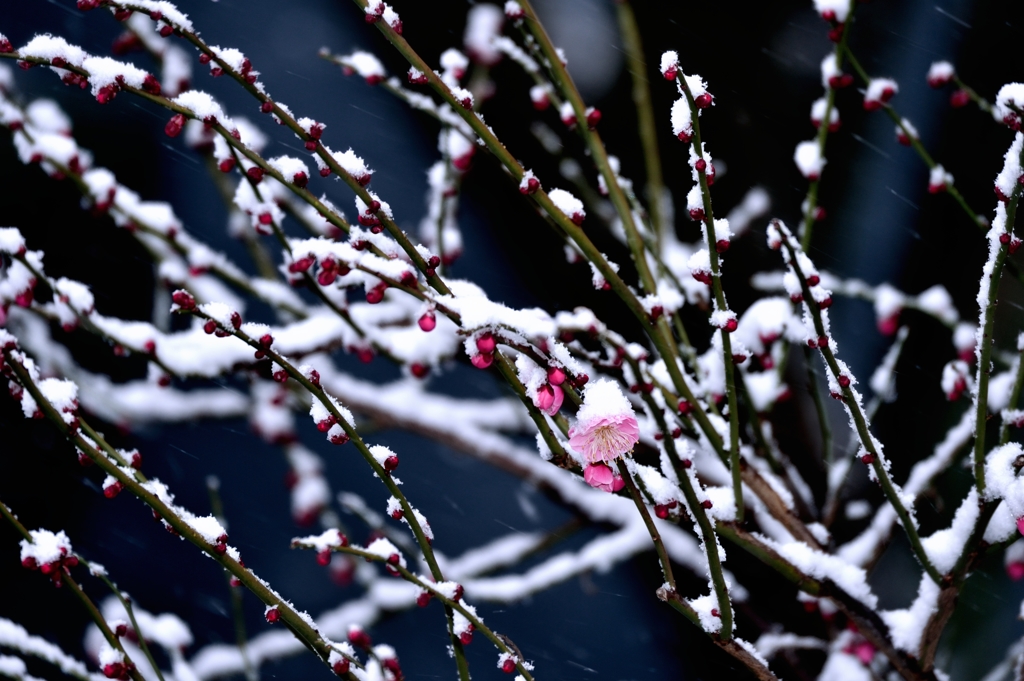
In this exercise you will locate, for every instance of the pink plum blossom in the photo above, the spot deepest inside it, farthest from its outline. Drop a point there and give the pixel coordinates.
(603, 478)
(606, 427)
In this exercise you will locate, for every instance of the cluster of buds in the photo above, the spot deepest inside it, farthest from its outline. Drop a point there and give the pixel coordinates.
(112, 487)
(48, 552)
(315, 131)
(368, 217)
(53, 569)
(416, 77)
(529, 184)
(485, 345)
(708, 169)
(214, 327)
(330, 270)
(1005, 198)
(514, 11)
(1011, 242)
(663, 511)
(879, 92)
(840, 81)
(836, 23)
(120, 670)
(433, 262)
(377, 10)
(220, 544)
(265, 341)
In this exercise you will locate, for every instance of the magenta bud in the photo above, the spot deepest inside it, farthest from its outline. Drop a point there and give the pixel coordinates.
(482, 360)
(174, 126)
(376, 294)
(485, 342)
(959, 99)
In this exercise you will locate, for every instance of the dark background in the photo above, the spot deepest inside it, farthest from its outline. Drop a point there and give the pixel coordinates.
(761, 62)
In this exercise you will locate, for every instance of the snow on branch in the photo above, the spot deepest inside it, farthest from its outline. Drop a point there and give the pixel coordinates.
(655, 430)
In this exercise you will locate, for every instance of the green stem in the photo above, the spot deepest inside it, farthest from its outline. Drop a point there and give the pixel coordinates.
(320, 395)
(259, 255)
(976, 219)
(83, 319)
(559, 457)
(707, 530)
(660, 334)
(985, 343)
(645, 115)
(811, 202)
(720, 303)
(598, 153)
(1018, 381)
(226, 275)
(297, 623)
(241, 636)
(104, 628)
(853, 406)
(431, 588)
(982, 103)
(126, 603)
(868, 623)
(87, 603)
(824, 425)
(641, 507)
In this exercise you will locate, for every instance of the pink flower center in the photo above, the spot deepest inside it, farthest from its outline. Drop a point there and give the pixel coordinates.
(610, 438)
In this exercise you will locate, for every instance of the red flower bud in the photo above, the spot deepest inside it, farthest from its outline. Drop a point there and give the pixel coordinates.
(174, 126)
